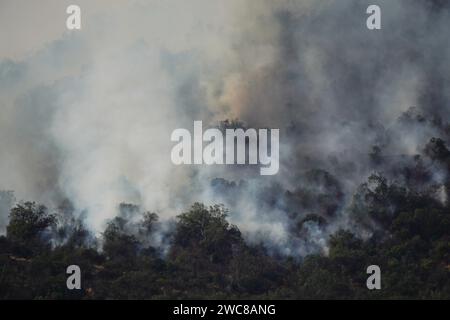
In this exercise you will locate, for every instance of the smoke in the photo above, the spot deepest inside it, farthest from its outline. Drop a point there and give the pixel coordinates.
(6, 203)
(87, 115)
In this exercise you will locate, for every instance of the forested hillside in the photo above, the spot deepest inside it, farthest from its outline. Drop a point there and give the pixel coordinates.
(357, 116)
(206, 257)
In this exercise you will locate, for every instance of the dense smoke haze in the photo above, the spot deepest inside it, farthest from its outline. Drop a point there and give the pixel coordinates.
(86, 116)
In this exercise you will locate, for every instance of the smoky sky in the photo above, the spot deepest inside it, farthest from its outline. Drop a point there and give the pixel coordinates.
(87, 115)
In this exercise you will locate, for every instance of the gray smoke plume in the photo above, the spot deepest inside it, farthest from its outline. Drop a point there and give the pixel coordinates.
(87, 115)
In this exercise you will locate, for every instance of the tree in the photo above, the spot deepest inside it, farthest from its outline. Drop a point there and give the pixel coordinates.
(207, 229)
(117, 243)
(436, 149)
(30, 225)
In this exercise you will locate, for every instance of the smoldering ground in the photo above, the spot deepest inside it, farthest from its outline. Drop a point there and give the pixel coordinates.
(87, 115)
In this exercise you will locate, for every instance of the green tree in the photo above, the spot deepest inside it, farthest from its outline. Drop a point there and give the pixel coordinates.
(30, 225)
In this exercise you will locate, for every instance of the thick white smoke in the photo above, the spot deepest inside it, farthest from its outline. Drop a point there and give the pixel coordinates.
(87, 115)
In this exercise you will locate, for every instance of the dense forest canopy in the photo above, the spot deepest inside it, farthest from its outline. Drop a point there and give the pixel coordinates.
(204, 256)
